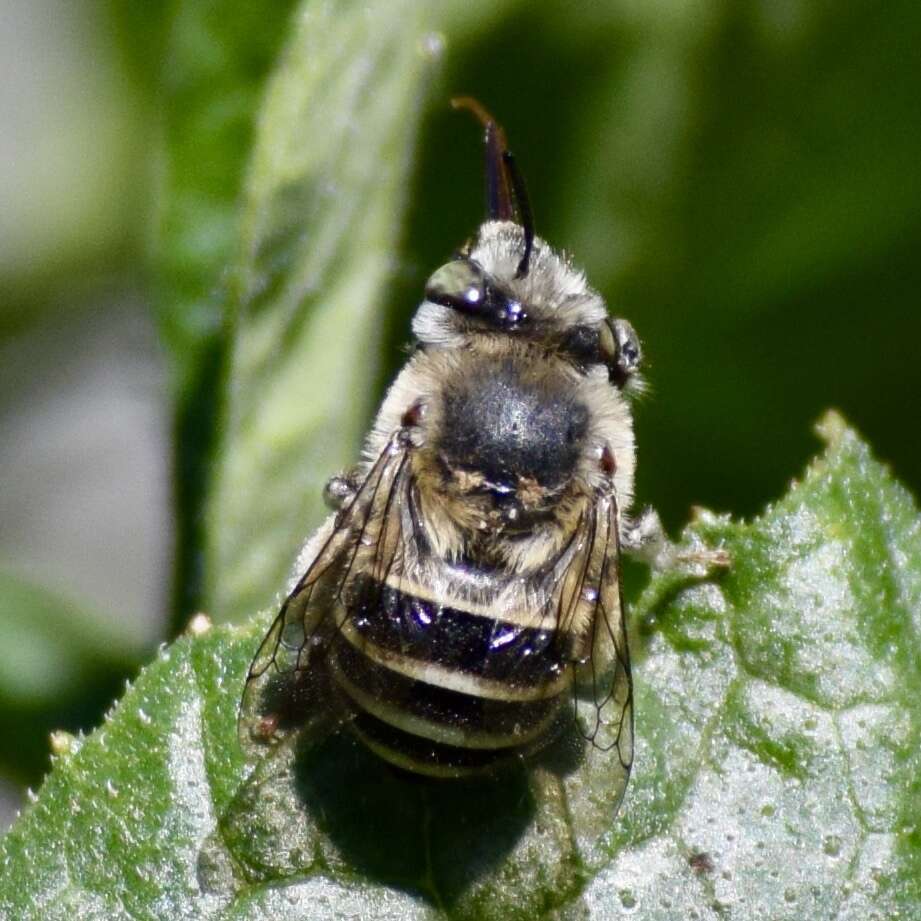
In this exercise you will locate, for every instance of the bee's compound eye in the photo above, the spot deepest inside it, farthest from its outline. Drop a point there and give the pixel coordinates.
(459, 284)
(607, 343)
(628, 355)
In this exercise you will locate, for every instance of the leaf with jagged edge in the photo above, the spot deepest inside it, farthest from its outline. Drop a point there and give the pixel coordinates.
(776, 774)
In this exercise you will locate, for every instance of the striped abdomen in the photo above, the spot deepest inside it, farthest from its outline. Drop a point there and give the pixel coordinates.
(444, 690)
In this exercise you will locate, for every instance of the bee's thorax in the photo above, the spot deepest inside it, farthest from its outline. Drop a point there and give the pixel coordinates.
(511, 432)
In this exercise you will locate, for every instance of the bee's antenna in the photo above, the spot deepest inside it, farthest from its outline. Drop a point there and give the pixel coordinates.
(499, 205)
(524, 210)
(506, 195)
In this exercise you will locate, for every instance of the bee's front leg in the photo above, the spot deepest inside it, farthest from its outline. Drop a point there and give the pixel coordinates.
(645, 539)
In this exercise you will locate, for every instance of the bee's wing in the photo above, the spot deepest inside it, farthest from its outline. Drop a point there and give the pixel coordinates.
(285, 685)
(590, 620)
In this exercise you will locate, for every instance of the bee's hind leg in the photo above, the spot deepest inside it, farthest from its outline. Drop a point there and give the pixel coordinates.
(644, 539)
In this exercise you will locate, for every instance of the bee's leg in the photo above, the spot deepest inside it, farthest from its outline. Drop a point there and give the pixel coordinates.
(645, 539)
(340, 490)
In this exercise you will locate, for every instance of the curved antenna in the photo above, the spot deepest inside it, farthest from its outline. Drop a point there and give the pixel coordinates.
(506, 195)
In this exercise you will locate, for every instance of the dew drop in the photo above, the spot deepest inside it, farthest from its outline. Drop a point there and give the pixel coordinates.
(627, 898)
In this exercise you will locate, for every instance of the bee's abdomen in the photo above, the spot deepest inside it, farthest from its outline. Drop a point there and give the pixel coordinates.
(443, 691)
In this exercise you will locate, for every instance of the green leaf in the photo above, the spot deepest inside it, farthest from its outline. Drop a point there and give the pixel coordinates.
(321, 218)
(778, 722)
(213, 76)
(55, 641)
(783, 714)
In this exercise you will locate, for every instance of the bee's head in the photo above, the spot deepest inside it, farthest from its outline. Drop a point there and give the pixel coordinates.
(508, 284)
(480, 295)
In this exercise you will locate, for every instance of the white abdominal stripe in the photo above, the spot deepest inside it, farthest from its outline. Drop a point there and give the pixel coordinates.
(441, 690)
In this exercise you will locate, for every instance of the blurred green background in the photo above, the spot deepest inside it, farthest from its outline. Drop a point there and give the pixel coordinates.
(739, 179)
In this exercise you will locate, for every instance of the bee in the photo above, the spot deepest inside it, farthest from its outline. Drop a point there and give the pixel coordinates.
(464, 597)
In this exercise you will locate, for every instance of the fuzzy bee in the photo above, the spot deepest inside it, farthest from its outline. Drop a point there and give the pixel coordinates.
(464, 597)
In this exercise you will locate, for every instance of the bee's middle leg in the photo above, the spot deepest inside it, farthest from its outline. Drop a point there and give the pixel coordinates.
(340, 490)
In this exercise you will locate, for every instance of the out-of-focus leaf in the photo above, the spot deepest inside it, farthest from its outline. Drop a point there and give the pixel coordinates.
(213, 76)
(50, 642)
(737, 180)
(776, 775)
(321, 219)
(60, 662)
(69, 201)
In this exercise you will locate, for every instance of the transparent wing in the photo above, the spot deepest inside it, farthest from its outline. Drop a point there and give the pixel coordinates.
(286, 685)
(590, 624)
